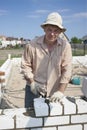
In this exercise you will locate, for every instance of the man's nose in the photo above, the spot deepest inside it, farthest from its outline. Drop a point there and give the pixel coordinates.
(52, 33)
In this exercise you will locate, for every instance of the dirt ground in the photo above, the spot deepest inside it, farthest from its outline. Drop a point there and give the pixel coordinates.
(14, 52)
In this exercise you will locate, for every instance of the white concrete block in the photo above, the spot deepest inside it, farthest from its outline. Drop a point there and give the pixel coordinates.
(79, 118)
(84, 86)
(85, 127)
(13, 112)
(27, 122)
(70, 127)
(81, 105)
(6, 122)
(0, 97)
(40, 107)
(56, 120)
(55, 109)
(69, 107)
(0, 111)
(48, 128)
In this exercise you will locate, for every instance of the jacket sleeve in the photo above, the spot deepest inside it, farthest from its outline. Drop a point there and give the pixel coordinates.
(66, 65)
(26, 62)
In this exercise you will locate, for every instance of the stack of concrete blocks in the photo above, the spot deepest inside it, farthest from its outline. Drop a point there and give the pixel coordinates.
(6, 68)
(84, 86)
(2, 81)
(5, 71)
(16, 61)
(68, 114)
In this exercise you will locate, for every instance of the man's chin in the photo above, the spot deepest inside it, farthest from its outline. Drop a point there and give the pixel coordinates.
(52, 40)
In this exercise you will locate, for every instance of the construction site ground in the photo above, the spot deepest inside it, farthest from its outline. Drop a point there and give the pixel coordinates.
(14, 92)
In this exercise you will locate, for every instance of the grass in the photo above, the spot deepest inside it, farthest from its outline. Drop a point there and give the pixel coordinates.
(18, 53)
(14, 53)
(79, 52)
(1, 62)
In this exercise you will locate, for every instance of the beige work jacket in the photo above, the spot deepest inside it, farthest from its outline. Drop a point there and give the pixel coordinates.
(45, 68)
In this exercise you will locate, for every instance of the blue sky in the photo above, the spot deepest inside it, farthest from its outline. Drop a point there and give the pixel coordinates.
(22, 18)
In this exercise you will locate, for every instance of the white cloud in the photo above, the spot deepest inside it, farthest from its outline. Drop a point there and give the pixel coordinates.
(82, 14)
(76, 15)
(42, 11)
(63, 10)
(33, 16)
(37, 13)
(3, 12)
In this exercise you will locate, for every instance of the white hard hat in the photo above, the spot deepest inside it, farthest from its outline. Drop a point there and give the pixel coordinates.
(54, 19)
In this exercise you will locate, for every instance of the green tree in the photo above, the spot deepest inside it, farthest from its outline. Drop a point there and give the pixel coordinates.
(74, 40)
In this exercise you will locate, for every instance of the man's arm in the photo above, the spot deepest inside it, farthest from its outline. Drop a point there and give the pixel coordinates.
(26, 64)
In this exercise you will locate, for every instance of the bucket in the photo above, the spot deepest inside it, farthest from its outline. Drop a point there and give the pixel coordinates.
(76, 80)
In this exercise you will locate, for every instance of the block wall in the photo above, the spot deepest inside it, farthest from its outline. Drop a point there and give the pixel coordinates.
(5, 71)
(69, 114)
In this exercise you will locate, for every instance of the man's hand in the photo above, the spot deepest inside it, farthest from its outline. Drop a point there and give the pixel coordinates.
(33, 87)
(57, 96)
(36, 88)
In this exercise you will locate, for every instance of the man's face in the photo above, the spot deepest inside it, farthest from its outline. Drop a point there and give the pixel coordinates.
(52, 32)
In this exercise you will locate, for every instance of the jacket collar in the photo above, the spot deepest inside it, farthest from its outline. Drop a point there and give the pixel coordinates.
(41, 39)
